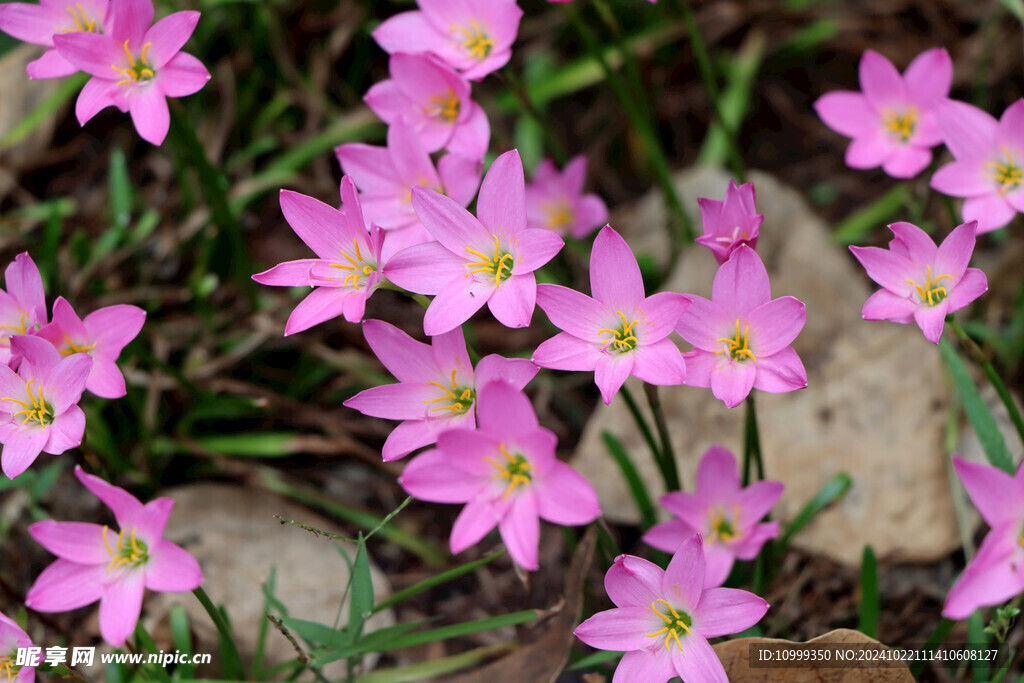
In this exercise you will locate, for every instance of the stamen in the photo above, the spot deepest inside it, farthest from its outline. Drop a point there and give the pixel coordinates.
(447, 107)
(498, 265)
(900, 125)
(517, 470)
(739, 347)
(931, 293)
(624, 339)
(75, 348)
(461, 401)
(475, 40)
(673, 624)
(20, 328)
(1008, 175)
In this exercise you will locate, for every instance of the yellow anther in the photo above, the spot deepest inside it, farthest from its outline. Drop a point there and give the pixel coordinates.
(475, 40)
(355, 266)
(739, 347)
(1008, 175)
(105, 541)
(559, 215)
(133, 551)
(497, 265)
(461, 400)
(674, 623)
(131, 58)
(20, 328)
(624, 339)
(516, 470)
(75, 348)
(720, 526)
(82, 20)
(446, 107)
(900, 124)
(931, 293)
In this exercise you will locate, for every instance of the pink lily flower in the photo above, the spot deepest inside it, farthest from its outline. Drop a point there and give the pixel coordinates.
(993, 576)
(664, 618)
(556, 201)
(922, 282)
(23, 305)
(39, 405)
(103, 335)
(437, 385)
(725, 514)
(346, 273)
(619, 332)
(730, 223)
(12, 638)
(135, 66)
(474, 36)
(487, 259)
(892, 122)
(37, 24)
(115, 567)
(436, 102)
(742, 336)
(989, 162)
(385, 177)
(506, 473)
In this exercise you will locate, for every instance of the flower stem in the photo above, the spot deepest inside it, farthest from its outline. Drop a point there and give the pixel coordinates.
(667, 461)
(751, 442)
(554, 144)
(641, 423)
(978, 356)
(232, 664)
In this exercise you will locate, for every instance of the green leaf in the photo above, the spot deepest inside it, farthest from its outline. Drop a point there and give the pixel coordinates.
(834, 489)
(361, 596)
(316, 634)
(182, 637)
(433, 667)
(869, 597)
(977, 637)
(120, 190)
(437, 580)
(64, 92)
(934, 640)
(978, 414)
(250, 444)
(734, 102)
(858, 226)
(632, 477)
(599, 657)
(1016, 8)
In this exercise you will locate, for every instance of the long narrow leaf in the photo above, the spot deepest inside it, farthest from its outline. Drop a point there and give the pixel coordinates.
(834, 489)
(437, 580)
(632, 477)
(869, 598)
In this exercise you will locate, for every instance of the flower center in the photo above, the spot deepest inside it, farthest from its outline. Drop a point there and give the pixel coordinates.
(75, 348)
(460, 398)
(35, 409)
(1008, 175)
(738, 347)
(675, 621)
(139, 71)
(8, 669)
(82, 20)
(475, 40)
(721, 526)
(499, 266)
(559, 214)
(736, 236)
(900, 124)
(516, 469)
(931, 293)
(359, 269)
(622, 339)
(130, 551)
(20, 328)
(445, 107)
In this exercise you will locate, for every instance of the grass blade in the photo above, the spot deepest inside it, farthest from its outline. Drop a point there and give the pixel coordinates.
(834, 489)
(632, 477)
(870, 606)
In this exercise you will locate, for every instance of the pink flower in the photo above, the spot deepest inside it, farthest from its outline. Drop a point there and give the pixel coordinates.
(619, 332)
(135, 66)
(730, 223)
(39, 405)
(488, 259)
(346, 273)
(922, 282)
(472, 36)
(386, 175)
(556, 201)
(435, 101)
(102, 335)
(994, 575)
(97, 563)
(37, 24)
(892, 122)
(23, 305)
(663, 619)
(12, 638)
(507, 474)
(989, 166)
(742, 336)
(724, 513)
(437, 385)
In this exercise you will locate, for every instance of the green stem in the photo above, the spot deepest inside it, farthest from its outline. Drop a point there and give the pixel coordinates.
(641, 423)
(528, 106)
(978, 356)
(667, 461)
(232, 664)
(146, 643)
(751, 442)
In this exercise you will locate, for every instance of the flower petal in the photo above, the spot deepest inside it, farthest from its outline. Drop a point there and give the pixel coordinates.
(565, 497)
(429, 477)
(476, 520)
(775, 324)
(666, 536)
(718, 476)
(520, 529)
(574, 312)
(971, 286)
(567, 352)
(996, 494)
(659, 363)
(320, 305)
(512, 303)
(697, 661)
(660, 313)
(906, 161)
(515, 371)
(124, 505)
(615, 278)
(121, 606)
(992, 212)
(741, 284)
(633, 582)
(456, 303)
(648, 665)
(781, 372)
(622, 628)
(880, 81)
(610, 373)
(450, 224)
(684, 577)
(992, 577)
(150, 114)
(504, 411)
(93, 53)
(501, 206)
(954, 254)
(967, 131)
(533, 248)
(962, 178)
(929, 78)
(66, 585)
(79, 542)
(321, 227)
(913, 242)
(847, 113)
(172, 568)
(887, 268)
(21, 447)
(168, 36)
(183, 75)
(424, 268)
(66, 431)
(731, 382)
(97, 94)
(757, 500)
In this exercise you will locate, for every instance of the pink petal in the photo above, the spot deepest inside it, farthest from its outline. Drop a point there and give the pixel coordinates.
(533, 248)
(322, 304)
(66, 585)
(402, 401)
(633, 582)
(870, 150)
(90, 52)
(991, 211)
(887, 268)
(429, 477)
(407, 32)
(880, 80)
(884, 305)
(148, 108)
(321, 227)
(504, 411)
(98, 94)
(684, 576)
(408, 437)
(931, 320)
(565, 497)
(661, 312)
(992, 577)
(847, 113)
(404, 357)
(702, 322)
(106, 380)
(460, 176)
(996, 494)
(650, 666)
(967, 131)
(149, 522)
(372, 167)
(124, 505)
(171, 568)
(476, 520)
(906, 161)
(501, 206)
(455, 304)
(698, 661)
(183, 75)
(748, 547)
(25, 284)
(731, 382)
(954, 254)
(66, 381)
(971, 286)
(667, 536)
(288, 274)
(121, 606)
(615, 278)
(700, 366)
(168, 36)
(741, 284)
(40, 354)
(574, 312)
(659, 363)
(30, 22)
(515, 371)
(129, 20)
(424, 268)
(520, 529)
(914, 242)
(472, 136)
(929, 77)
(410, 159)
(718, 477)
(689, 507)
(590, 213)
(775, 324)
(387, 101)
(610, 373)
(66, 431)
(470, 451)
(623, 628)
(450, 224)
(512, 303)
(50, 65)
(75, 541)
(718, 561)
(68, 322)
(21, 447)
(567, 352)
(781, 372)
(757, 500)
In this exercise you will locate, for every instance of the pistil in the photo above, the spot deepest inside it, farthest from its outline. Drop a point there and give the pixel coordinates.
(739, 347)
(623, 339)
(678, 621)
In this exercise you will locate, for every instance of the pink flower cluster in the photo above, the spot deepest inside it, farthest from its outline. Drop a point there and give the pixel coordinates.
(896, 121)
